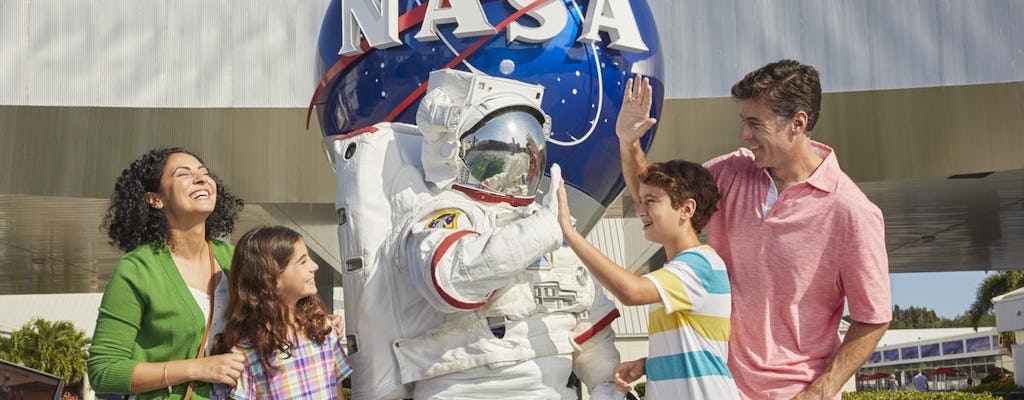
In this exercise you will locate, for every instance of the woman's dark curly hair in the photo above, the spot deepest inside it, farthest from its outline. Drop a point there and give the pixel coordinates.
(130, 221)
(256, 316)
(683, 180)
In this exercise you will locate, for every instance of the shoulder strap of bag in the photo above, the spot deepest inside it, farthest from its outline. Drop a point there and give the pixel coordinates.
(209, 318)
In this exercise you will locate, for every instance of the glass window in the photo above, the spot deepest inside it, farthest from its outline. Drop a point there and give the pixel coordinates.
(953, 347)
(909, 352)
(979, 344)
(891, 355)
(930, 350)
(875, 357)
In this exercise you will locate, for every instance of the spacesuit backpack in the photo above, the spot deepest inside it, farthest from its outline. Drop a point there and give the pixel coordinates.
(379, 179)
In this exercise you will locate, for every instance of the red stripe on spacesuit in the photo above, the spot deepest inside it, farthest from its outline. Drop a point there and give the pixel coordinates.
(438, 255)
(369, 129)
(603, 323)
(493, 198)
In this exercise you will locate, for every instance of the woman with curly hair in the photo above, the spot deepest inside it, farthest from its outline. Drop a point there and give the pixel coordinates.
(276, 320)
(166, 212)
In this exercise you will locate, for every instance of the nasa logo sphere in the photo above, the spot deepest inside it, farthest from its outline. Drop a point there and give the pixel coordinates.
(376, 57)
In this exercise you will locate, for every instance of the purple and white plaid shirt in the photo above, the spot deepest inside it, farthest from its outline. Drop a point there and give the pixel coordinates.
(312, 372)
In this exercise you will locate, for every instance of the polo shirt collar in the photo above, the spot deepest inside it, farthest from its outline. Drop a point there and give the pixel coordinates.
(826, 176)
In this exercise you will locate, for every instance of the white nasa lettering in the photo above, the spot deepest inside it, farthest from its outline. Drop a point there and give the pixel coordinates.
(468, 15)
(377, 20)
(608, 16)
(547, 16)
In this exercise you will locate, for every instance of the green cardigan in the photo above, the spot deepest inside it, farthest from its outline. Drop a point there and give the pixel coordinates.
(148, 315)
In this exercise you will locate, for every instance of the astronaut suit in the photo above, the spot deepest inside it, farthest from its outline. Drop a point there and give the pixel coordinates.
(456, 282)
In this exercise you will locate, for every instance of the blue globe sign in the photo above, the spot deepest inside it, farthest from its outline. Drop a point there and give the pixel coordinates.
(376, 56)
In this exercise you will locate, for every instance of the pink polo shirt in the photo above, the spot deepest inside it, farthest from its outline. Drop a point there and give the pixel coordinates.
(821, 243)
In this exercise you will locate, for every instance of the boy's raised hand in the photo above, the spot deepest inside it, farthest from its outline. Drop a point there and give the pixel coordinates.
(635, 114)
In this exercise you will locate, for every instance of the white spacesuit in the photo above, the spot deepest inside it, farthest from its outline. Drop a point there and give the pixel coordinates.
(456, 283)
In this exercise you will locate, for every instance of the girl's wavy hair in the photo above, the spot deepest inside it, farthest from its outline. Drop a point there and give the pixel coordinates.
(256, 316)
(683, 180)
(130, 221)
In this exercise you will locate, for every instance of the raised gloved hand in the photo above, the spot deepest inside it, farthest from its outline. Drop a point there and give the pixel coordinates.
(550, 201)
(433, 117)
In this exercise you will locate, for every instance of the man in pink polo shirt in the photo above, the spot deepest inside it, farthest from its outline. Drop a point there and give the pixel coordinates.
(798, 236)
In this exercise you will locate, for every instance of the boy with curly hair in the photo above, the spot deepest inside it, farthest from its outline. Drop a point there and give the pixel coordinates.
(689, 297)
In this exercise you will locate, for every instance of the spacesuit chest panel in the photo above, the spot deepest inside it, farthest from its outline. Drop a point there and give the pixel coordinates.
(555, 283)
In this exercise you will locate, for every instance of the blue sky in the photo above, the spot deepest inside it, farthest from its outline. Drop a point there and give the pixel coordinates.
(948, 293)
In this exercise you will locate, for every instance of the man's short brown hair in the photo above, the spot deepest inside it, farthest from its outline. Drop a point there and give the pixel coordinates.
(787, 86)
(683, 180)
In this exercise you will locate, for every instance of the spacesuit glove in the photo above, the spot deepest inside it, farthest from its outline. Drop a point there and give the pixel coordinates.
(606, 391)
(432, 117)
(550, 201)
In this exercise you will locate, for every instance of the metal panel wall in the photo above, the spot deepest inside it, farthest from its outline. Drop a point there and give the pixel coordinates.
(237, 53)
(181, 53)
(856, 44)
(1010, 314)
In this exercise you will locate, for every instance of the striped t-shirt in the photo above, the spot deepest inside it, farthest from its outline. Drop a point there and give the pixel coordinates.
(689, 329)
(312, 372)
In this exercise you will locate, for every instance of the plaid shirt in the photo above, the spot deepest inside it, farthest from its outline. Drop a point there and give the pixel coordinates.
(312, 372)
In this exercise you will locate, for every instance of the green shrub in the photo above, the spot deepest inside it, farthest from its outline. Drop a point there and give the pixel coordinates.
(995, 387)
(884, 395)
(54, 347)
(918, 396)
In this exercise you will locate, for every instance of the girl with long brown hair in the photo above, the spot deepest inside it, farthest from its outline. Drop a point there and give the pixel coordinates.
(276, 320)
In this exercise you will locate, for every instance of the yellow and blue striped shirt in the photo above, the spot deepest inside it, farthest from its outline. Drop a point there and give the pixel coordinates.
(689, 329)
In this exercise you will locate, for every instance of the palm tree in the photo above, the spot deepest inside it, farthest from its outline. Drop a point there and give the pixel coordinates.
(53, 347)
(992, 286)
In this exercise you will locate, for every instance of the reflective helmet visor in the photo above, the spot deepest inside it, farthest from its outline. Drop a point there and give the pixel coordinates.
(505, 155)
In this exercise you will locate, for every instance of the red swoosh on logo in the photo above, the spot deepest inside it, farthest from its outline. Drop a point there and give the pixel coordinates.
(408, 20)
(405, 22)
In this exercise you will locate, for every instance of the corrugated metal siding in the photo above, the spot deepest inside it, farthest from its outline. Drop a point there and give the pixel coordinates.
(80, 309)
(1018, 364)
(1010, 314)
(629, 250)
(608, 236)
(261, 53)
(857, 45)
(632, 321)
(181, 53)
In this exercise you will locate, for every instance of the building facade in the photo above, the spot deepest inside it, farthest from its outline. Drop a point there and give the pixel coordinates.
(948, 357)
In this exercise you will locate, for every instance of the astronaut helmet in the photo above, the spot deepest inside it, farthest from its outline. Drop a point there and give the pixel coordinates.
(504, 153)
(501, 133)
